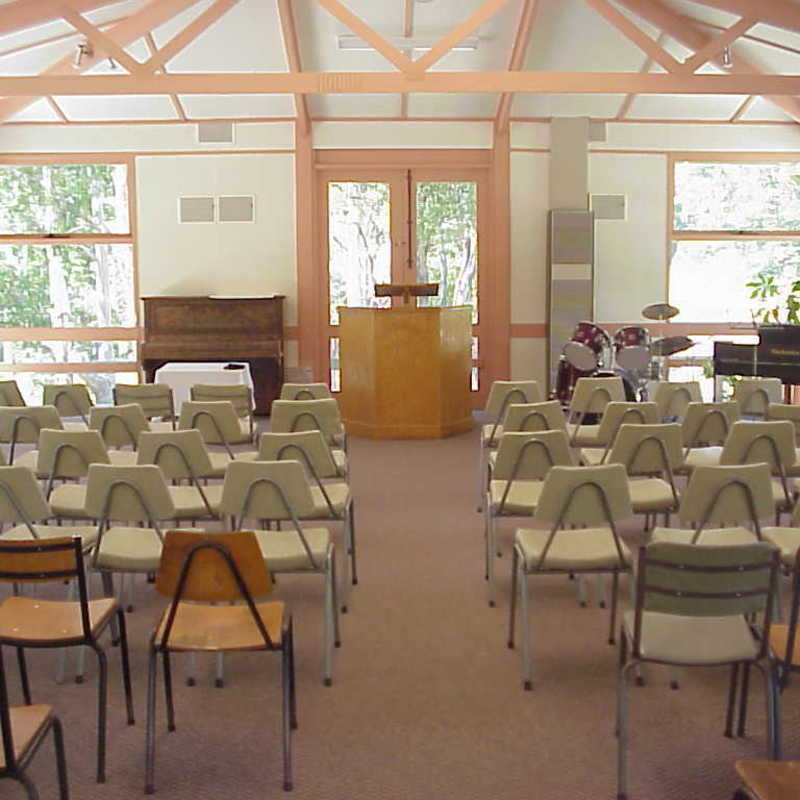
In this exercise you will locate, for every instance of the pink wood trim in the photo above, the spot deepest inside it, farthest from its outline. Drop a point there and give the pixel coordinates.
(528, 330)
(53, 39)
(368, 34)
(177, 106)
(66, 158)
(57, 110)
(292, 50)
(291, 332)
(133, 217)
(24, 14)
(402, 159)
(74, 366)
(127, 122)
(181, 40)
(73, 158)
(69, 334)
(780, 13)
(398, 119)
(464, 28)
(659, 329)
(743, 106)
(527, 17)
(669, 222)
(530, 149)
(715, 45)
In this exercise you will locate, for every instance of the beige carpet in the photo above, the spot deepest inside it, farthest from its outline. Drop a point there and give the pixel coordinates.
(427, 700)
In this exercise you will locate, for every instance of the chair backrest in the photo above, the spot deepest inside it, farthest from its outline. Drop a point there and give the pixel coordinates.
(545, 416)
(754, 442)
(592, 395)
(672, 397)
(266, 490)
(21, 498)
(68, 454)
(156, 399)
(617, 413)
(647, 449)
(307, 415)
(70, 399)
(305, 391)
(216, 420)
(780, 411)
(22, 424)
(530, 456)
(722, 496)
(585, 496)
(119, 425)
(180, 454)
(10, 394)
(503, 393)
(239, 394)
(307, 447)
(754, 394)
(708, 423)
(137, 493)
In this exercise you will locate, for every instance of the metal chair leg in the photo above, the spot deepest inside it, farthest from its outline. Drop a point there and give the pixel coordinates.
(743, 700)
(513, 603)
(286, 716)
(327, 679)
(102, 705)
(126, 665)
(61, 760)
(23, 675)
(167, 668)
(732, 691)
(522, 582)
(219, 680)
(150, 745)
(622, 731)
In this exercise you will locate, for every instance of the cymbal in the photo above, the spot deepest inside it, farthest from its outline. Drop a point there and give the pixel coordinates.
(659, 311)
(670, 345)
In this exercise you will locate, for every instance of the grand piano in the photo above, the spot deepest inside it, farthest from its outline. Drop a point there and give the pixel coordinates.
(777, 355)
(246, 329)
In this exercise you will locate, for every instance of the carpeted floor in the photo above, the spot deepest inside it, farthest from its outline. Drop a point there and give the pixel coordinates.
(427, 700)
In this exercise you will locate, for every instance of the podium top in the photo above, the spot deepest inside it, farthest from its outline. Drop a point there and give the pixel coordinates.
(406, 290)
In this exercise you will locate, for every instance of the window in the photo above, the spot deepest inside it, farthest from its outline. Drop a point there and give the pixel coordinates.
(67, 274)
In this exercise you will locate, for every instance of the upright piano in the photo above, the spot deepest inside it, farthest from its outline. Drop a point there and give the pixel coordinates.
(777, 355)
(246, 329)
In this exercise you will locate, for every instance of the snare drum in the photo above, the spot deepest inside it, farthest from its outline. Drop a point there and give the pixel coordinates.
(631, 348)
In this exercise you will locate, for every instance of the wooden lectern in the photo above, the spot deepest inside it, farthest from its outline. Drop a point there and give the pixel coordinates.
(406, 371)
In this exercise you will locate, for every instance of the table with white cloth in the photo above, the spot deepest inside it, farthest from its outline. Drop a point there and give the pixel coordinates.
(180, 376)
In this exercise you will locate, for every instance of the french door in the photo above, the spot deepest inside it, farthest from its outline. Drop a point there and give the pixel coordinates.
(421, 225)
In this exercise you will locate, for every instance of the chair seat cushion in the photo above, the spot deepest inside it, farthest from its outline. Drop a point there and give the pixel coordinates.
(787, 540)
(29, 460)
(340, 459)
(129, 550)
(35, 619)
(582, 548)
(69, 500)
(339, 494)
(592, 456)
(651, 494)
(189, 503)
(74, 425)
(160, 426)
(693, 640)
(219, 463)
(215, 628)
(284, 552)
(521, 499)
(779, 496)
(709, 536)
(87, 533)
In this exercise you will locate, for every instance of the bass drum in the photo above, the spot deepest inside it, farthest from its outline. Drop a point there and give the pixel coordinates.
(566, 378)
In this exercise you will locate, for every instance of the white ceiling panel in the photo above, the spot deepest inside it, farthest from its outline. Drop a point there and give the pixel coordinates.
(116, 107)
(696, 106)
(40, 111)
(602, 106)
(235, 106)
(32, 62)
(452, 105)
(32, 35)
(176, 24)
(761, 109)
(354, 105)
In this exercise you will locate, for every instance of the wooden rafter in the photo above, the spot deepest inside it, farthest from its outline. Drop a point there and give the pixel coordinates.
(695, 39)
(749, 37)
(393, 83)
(408, 30)
(527, 17)
(57, 110)
(292, 49)
(635, 34)
(183, 39)
(62, 37)
(743, 106)
(23, 14)
(716, 45)
(780, 13)
(177, 106)
(150, 16)
(627, 102)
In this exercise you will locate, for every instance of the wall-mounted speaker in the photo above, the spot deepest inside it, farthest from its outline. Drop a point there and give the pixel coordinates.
(215, 132)
(195, 209)
(237, 208)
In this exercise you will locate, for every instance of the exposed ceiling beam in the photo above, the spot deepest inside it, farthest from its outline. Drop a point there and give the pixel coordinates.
(150, 16)
(98, 39)
(393, 83)
(22, 48)
(627, 102)
(743, 106)
(368, 34)
(717, 44)
(695, 39)
(464, 28)
(183, 39)
(749, 37)
(612, 15)
(527, 17)
(57, 110)
(177, 106)
(24, 14)
(292, 49)
(408, 31)
(780, 13)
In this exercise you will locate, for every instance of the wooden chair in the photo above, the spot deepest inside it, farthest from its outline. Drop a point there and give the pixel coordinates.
(36, 623)
(768, 780)
(198, 570)
(23, 729)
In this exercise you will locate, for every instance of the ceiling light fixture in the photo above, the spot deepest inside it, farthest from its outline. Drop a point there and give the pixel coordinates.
(83, 49)
(726, 57)
(347, 41)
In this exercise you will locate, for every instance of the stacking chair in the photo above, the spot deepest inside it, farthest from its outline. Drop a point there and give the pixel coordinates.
(597, 439)
(545, 416)
(650, 455)
(787, 411)
(323, 415)
(199, 571)
(594, 499)
(305, 391)
(217, 421)
(155, 399)
(278, 490)
(32, 622)
(70, 399)
(330, 463)
(514, 482)
(754, 395)
(22, 425)
(691, 609)
(705, 428)
(716, 503)
(786, 539)
(10, 394)
(673, 397)
(119, 425)
(591, 396)
(23, 729)
(240, 395)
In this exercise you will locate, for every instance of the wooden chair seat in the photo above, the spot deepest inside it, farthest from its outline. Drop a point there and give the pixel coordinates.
(215, 628)
(778, 640)
(31, 619)
(770, 780)
(26, 723)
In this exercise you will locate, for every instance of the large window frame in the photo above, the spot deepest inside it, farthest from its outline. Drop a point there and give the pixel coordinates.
(78, 334)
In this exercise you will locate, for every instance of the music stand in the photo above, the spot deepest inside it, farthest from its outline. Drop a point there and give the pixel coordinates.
(406, 290)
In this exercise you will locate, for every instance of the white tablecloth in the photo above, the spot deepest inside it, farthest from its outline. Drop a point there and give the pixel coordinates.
(181, 376)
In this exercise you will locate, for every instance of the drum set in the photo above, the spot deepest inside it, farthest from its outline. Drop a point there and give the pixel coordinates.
(630, 354)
